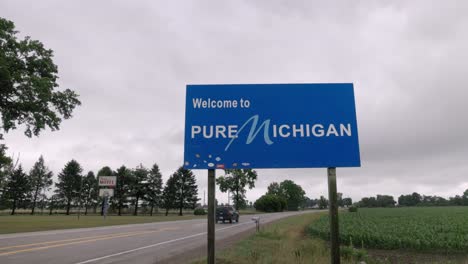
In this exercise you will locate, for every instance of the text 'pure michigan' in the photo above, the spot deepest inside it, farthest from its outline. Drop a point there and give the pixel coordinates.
(271, 132)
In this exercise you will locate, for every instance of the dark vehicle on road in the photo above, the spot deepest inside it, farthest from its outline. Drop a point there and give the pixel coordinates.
(227, 213)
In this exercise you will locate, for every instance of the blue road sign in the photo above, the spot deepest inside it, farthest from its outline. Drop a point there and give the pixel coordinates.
(271, 126)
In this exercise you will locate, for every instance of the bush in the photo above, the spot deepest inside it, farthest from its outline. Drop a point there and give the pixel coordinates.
(350, 253)
(270, 203)
(199, 211)
(352, 209)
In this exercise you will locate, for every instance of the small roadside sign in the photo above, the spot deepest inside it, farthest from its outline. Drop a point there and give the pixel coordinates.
(106, 192)
(107, 180)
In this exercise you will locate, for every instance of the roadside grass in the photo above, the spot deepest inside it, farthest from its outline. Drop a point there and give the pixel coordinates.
(249, 212)
(29, 223)
(284, 241)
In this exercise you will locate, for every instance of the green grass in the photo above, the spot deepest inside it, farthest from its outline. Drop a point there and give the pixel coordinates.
(28, 223)
(444, 229)
(284, 241)
(249, 212)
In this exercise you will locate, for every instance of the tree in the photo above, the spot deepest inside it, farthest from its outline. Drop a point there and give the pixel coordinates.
(270, 203)
(105, 171)
(379, 201)
(138, 185)
(41, 178)
(154, 188)
(122, 188)
(291, 192)
(170, 193)
(428, 200)
(347, 201)
(294, 194)
(274, 188)
(186, 189)
(90, 190)
(323, 203)
(457, 200)
(385, 201)
(69, 181)
(410, 199)
(310, 203)
(339, 199)
(404, 200)
(18, 187)
(235, 181)
(5, 164)
(465, 197)
(41, 201)
(54, 202)
(28, 85)
(417, 198)
(368, 202)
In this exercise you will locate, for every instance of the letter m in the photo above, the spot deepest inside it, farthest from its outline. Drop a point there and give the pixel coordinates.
(254, 131)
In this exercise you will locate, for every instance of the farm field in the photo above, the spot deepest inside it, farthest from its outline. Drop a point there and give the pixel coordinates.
(24, 222)
(435, 229)
(29, 223)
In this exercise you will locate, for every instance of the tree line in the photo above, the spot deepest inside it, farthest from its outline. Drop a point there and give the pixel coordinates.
(135, 187)
(413, 199)
(287, 195)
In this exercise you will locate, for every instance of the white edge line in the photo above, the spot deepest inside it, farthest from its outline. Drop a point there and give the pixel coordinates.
(157, 244)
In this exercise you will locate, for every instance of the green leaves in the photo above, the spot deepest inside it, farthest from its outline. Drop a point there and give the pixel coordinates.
(270, 203)
(289, 191)
(169, 193)
(235, 182)
(69, 181)
(28, 82)
(181, 191)
(40, 175)
(41, 178)
(154, 187)
(18, 187)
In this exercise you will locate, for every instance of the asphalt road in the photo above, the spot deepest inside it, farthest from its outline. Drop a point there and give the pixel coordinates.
(140, 243)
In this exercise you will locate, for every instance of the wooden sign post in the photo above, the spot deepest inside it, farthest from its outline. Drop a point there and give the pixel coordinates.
(333, 215)
(211, 216)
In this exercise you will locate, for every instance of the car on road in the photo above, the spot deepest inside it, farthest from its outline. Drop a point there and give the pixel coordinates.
(227, 213)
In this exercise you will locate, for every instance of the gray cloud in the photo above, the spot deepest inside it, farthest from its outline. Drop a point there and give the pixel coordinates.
(130, 63)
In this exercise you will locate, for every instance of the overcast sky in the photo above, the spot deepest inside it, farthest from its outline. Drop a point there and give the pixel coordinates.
(130, 62)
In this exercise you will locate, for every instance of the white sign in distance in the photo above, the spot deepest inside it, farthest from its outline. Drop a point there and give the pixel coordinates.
(106, 192)
(107, 180)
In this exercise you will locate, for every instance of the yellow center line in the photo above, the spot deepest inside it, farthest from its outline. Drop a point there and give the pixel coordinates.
(64, 240)
(85, 241)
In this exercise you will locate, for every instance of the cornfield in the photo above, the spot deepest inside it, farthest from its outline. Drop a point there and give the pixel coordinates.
(418, 228)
